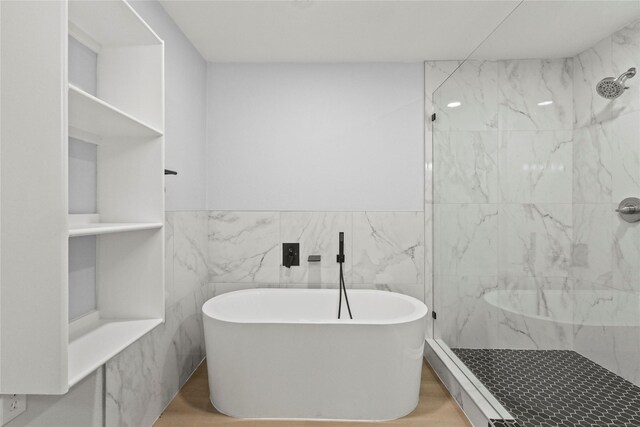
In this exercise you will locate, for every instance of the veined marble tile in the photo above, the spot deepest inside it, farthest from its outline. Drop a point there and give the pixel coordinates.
(428, 301)
(536, 166)
(244, 246)
(474, 86)
(593, 243)
(428, 264)
(223, 288)
(593, 164)
(625, 53)
(203, 295)
(168, 257)
(589, 67)
(428, 241)
(146, 375)
(134, 388)
(187, 343)
(626, 253)
(181, 341)
(190, 269)
(625, 164)
(465, 166)
(536, 313)
(465, 318)
(466, 240)
(317, 233)
(143, 378)
(414, 290)
(535, 94)
(606, 330)
(428, 167)
(435, 73)
(535, 240)
(388, 247)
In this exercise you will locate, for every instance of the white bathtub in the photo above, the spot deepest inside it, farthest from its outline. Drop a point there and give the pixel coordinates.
(281, 353)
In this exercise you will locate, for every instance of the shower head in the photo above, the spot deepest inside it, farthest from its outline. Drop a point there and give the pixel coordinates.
(611, 88)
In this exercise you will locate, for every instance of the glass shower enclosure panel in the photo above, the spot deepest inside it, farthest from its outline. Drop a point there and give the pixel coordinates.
(465, 206)
(532, 265)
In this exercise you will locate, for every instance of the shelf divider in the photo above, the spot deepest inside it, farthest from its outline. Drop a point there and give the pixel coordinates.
(92, 229)
(105, 339)
(95, 116)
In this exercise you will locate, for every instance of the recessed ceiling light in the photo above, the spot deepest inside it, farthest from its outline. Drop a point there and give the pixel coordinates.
(543, 103)
(454, 104)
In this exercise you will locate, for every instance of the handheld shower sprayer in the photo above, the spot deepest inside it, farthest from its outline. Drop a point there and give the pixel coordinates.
(340, 260)
(611, 88)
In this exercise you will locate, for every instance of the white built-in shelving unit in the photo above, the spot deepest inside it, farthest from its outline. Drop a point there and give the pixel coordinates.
(90, 114)
(41, 352)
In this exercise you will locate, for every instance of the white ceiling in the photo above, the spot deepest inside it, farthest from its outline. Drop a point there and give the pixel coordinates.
(556, 29)
(394, 31)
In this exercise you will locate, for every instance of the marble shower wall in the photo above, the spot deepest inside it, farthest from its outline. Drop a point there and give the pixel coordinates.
(435, 74)
(527, 172)
(143, 379)
(384, 250)
(502, 193)
(606, 250)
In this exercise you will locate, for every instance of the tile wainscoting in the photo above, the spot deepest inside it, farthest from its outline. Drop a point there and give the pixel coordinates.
(384, 250)
(212, 252)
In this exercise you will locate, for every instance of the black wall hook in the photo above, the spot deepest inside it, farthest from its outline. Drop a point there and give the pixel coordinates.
(170, 172)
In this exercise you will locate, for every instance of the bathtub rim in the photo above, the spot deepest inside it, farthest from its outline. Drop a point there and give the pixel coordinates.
(420, 309)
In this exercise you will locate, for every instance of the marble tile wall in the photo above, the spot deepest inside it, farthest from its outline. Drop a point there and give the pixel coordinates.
(384, 250)
(435, 74)
(144, 378)
(212, 252)
(502, 168)
(606, 250)
(527, 172)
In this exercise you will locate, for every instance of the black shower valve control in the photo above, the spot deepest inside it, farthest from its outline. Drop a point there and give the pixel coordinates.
(290, 254)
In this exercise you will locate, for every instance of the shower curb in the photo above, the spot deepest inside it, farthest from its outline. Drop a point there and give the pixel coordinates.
(476, 407)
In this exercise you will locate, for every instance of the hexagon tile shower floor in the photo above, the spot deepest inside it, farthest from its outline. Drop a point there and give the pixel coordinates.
(549, 388)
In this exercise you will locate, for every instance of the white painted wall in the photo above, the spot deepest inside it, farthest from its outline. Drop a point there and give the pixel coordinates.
(185, 107)
(82, 276)
(315, 137)
(83, 169)
(83, 65)
(82, 406)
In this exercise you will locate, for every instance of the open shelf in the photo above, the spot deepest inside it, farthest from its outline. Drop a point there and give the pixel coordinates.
(93, 229)
(107, 289)
(110, 24)
(90, 114)
(105, 339)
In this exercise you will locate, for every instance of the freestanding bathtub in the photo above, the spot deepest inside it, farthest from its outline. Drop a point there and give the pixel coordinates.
(281, 353)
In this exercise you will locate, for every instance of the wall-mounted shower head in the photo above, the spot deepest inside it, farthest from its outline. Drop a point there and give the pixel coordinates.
(611, 88)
